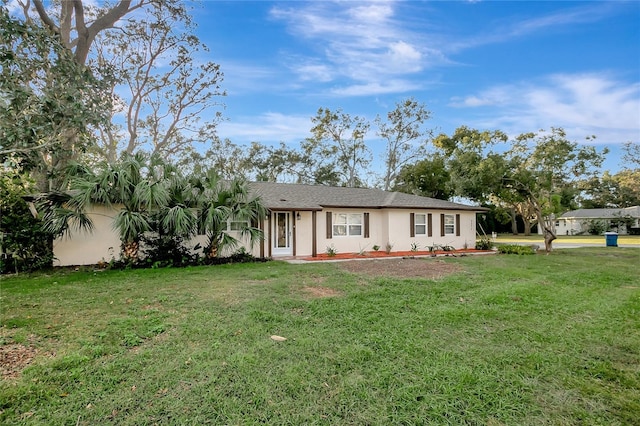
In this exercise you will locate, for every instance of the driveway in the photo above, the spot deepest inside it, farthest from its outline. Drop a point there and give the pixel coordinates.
(576, 245)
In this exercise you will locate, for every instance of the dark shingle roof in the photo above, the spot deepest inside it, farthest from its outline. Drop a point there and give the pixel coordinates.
(314, 197)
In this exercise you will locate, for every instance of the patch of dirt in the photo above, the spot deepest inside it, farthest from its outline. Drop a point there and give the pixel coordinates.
(401, 268)
(14, 358)
(319, 291)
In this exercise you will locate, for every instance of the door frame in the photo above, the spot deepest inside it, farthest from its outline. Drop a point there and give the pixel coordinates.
(288, 249)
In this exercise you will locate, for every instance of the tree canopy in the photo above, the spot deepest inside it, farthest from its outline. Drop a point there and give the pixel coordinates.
(49, 103)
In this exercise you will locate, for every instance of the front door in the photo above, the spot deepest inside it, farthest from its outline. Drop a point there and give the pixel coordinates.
(281, 235)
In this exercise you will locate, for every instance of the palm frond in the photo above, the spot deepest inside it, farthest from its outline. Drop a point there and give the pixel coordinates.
(131, 225)
(179, 220)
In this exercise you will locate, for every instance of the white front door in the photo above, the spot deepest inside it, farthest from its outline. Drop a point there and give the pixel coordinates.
(281, 234)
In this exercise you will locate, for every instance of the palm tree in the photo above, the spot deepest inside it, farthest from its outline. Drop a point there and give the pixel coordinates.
(221, 202)
(151, 196)
(145, 191)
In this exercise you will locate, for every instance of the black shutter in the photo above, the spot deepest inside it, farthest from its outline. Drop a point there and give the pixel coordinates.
(329, 226)
(412, 224)
(457, 225)
(442, 225)
(366, 225)
(430, 224)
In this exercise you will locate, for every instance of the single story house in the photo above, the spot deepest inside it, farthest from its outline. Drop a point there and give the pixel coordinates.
(305, 220)
(623, 221)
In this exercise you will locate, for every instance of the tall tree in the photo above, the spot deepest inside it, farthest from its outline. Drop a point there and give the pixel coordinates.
(228, 159)
(405, 136)
(542, 166)
(151, 56)
(76, 24)
(167, 98)
(340, 137)
(428, 177)
(476, 169)
(48, 102)
(631, 155)
(620, 190)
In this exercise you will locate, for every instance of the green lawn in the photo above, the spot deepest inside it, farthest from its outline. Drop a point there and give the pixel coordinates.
(526, 340)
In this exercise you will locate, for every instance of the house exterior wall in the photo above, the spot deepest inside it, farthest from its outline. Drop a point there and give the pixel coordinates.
(393, 226)
(89, 248)
(385, 226)
(304, 233)
(103, 243)
(578, 226)
(349, 244)
(399, 225)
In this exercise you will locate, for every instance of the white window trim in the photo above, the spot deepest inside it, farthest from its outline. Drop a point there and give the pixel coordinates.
(416, 223)
(450, 226)
(347, 225)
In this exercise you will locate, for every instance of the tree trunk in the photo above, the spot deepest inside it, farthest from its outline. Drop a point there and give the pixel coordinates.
(130, 250)
(548, 239)
(548, 229)
(527, 225)
(514, 223)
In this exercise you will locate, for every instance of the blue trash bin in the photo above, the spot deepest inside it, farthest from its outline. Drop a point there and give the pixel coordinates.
(611, 238)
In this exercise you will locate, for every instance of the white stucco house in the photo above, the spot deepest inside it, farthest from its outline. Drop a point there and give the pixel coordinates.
(618, 220)
(304, 220)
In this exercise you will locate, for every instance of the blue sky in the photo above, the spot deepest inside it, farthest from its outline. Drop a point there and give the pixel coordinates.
(513, 66)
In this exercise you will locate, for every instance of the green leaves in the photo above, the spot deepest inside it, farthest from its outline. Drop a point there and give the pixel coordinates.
(49, 102)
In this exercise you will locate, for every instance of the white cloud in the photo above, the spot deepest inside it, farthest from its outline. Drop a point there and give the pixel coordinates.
(363, 43)
(267, 127)
(583, 104)
(376, 88)
(376, 12)
(515, 27)
(313, 72)
(241, 78)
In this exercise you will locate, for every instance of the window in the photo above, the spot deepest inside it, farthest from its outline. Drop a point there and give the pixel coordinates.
(236, 225)
(347, 225)
(421, 224)
(449, 224)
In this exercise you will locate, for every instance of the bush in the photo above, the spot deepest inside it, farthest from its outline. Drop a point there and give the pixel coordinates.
(596, 227)
(162, 251)
(24, 245)
(484, 243)
(515, 249)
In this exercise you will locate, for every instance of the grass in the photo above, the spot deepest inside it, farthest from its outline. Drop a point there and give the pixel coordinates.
(525, 340)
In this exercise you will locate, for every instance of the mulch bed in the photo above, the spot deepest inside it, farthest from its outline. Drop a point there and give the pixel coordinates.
(383, 254)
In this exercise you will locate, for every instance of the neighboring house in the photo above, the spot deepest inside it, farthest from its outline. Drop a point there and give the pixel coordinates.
(304, 220)
(623, 221)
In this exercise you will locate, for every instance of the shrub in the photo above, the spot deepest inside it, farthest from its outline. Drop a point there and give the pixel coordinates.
(162, 251)
(376, 247)
(484, 243)
(331, 251)
(515, 249)
(388, 247)
(596, 226)
(24, 244)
